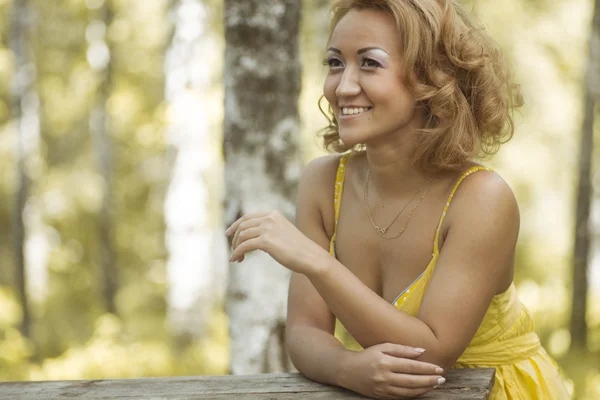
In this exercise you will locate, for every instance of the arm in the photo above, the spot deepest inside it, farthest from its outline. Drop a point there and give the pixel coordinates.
(310, 342)
(381, 371)
(310, 324)
(477, 254)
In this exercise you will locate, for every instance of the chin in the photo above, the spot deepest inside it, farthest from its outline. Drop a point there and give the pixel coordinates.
(352, 139)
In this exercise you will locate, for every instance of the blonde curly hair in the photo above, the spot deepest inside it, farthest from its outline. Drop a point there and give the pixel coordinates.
(462, 80)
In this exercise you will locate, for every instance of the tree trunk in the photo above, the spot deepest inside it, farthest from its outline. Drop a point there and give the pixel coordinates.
(99, 56)
(25, 118)
(196, 272)
(262, 167)
(582, 228)
(582, 231)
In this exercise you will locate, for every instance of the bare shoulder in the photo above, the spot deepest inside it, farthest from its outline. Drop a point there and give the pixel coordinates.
(317, 187)
(322, 168)
(485, 206)
(486, 192)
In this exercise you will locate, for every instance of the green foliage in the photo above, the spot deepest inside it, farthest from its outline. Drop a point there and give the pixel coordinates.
(73, 336)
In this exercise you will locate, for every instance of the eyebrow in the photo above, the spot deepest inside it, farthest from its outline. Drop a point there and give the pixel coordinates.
(360, 51)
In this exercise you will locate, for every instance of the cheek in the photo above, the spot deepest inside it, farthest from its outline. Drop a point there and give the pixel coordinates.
(398, 99)
(329, 87)
(408, 101)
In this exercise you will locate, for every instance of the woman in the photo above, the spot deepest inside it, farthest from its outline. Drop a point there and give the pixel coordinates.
(417, 261)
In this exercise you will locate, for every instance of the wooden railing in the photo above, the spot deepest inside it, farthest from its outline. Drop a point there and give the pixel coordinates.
(466, 384)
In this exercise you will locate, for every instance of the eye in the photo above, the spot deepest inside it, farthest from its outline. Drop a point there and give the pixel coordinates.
(333, 62)
(369, 63)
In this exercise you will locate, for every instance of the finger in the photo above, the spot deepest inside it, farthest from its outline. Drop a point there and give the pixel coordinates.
(233, 227)
(398, 350)
(415, 381)
(250, 223)
(415, 367)
(245, 234)
(248, 245)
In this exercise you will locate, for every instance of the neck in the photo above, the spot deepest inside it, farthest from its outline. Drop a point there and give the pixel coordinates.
(392, 172)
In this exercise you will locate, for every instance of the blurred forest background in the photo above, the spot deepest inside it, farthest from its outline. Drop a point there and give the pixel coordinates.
(112, 257)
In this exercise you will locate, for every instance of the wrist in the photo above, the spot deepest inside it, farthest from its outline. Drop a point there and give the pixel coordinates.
(319, 265)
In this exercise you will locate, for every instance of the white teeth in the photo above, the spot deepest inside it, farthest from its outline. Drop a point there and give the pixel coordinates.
(352, 111)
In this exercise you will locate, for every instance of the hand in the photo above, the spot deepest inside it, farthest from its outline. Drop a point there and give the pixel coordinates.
(389, 371)
(274, 234)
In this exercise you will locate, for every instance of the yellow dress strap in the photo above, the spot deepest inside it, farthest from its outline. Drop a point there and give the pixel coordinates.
(462, 177)
(337, 200)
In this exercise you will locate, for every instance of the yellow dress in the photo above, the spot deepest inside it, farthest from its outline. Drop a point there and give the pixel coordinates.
(505, 340)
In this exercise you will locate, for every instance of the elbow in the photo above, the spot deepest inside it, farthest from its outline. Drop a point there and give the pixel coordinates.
(292, 345)
(442, 360)
(289, 343)
(445, 350)
(442, 355)
(446, 363)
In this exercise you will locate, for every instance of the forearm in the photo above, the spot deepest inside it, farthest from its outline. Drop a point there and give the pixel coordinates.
(369, 318)
(316, 354)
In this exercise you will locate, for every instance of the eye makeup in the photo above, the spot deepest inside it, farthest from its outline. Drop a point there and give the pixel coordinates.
(332, 61)
(377, 55)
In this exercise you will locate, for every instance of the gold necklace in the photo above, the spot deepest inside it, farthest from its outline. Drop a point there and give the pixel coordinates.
(382, 231)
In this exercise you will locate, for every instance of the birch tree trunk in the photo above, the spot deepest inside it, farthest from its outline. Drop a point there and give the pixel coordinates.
(99, 57)
(582, 228)
(196, 265)
(25, 117)
(262, 167)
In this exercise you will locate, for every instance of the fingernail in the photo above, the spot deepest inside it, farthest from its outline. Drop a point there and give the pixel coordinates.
(227, 230)
(441, 380)
(420, 350)
(439, 371)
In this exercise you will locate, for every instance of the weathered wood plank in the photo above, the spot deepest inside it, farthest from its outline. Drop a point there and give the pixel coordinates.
(468, 384)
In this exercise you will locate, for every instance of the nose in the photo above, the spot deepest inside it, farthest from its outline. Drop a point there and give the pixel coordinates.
(349, 84)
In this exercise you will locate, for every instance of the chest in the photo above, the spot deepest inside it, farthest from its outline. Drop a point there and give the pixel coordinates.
(387, 266)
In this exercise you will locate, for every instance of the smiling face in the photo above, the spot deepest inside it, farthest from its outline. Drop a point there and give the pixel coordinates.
(364, 85)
